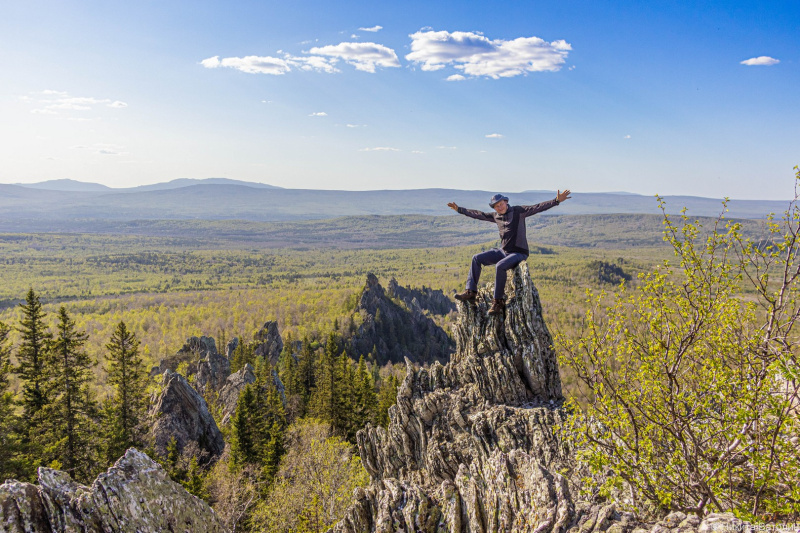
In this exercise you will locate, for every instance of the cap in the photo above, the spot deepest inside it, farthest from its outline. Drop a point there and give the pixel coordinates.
(496, 198)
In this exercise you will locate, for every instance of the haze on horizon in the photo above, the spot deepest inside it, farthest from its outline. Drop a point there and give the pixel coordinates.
(661, 98)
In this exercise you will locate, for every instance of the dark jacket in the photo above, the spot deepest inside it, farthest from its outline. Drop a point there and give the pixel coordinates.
(511, 223)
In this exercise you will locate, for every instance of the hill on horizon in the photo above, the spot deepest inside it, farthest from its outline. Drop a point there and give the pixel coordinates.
(223, 199)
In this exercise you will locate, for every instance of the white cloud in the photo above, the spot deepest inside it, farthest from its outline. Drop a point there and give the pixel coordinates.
(53, 102)
(356, 125)
(250, 64)
(476, 55)
(318, 114)
(372, 29)
(760, 61)
(495, 136)
(417, 152)
(627, 137)
(353, 36)
(447, 147)
(456, 77)
(320, 64)
(380, 149)
(363, 56)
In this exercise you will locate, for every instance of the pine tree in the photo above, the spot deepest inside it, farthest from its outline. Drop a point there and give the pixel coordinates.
(10, 449)
(366, 401)
(68, 420)
(242, 355)
(387, 397)
(258, 426)
(245, 426)
(125, 410)
(306, 371)
(31, 355)
(322, 403)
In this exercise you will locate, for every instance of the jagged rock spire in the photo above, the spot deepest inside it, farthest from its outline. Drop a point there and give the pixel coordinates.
(458, 430)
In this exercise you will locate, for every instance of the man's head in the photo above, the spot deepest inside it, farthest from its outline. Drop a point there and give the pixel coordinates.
(499, 203)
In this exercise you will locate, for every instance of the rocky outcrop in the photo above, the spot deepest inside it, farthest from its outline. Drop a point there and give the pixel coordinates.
(472, 446)
(392, 332)
(424, 299)
(209, 368)
(269, 343)
(234, 385)
(134, 495)
(180, 412)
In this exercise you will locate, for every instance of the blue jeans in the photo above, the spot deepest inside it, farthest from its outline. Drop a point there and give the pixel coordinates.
(504, 261)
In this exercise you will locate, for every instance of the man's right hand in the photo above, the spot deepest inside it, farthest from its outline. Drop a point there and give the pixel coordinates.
(453, 206)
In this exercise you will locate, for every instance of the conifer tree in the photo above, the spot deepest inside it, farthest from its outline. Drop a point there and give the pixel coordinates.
(242, 355)
(124, 411)
(10, 463)
(245, 426)
(387, 397)
(344, 414)
(31, 355)
(306, 371)
(366, 401)
(68, 420)
(322, 404)
(258, 426)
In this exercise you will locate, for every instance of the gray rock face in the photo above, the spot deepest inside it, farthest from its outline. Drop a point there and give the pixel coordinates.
(181, 412)
(234, 385)
(472, 446)
(392, 332)
(209, 367)
(134, 495)
(269, 342)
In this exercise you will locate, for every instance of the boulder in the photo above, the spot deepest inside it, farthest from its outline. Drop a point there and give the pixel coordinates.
(134, 495)
(180, 412)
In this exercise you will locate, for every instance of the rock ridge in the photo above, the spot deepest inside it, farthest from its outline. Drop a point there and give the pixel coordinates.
(473, 446)
(134, 495)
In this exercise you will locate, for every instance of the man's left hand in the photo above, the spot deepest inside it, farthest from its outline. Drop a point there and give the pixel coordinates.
(561, 196)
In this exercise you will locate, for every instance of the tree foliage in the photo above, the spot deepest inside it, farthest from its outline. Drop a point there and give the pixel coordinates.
(692, 378)
(68, 421)
(315, 482)
(10, 446)
(126, 409)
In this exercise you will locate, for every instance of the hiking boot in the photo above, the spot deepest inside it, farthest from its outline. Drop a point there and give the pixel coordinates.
(497, 307)
(466, 296)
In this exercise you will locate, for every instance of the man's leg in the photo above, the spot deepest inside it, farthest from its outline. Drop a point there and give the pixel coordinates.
(489, 257)
(503, 266)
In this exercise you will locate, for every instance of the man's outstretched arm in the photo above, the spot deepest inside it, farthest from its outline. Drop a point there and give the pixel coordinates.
(528, 210)
(472, 213)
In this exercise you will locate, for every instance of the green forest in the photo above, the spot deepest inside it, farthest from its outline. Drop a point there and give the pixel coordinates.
(84, 317)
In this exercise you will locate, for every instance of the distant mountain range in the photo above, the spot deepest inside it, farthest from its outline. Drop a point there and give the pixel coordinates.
(224, 199)
(83, 186)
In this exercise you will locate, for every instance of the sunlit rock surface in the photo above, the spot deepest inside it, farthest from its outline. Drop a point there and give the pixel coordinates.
(180, 412)
(134, 495)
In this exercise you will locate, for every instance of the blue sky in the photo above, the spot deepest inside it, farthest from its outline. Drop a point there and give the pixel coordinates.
(645, 97)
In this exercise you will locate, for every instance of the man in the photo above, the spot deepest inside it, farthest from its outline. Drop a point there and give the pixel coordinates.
(513, 250)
